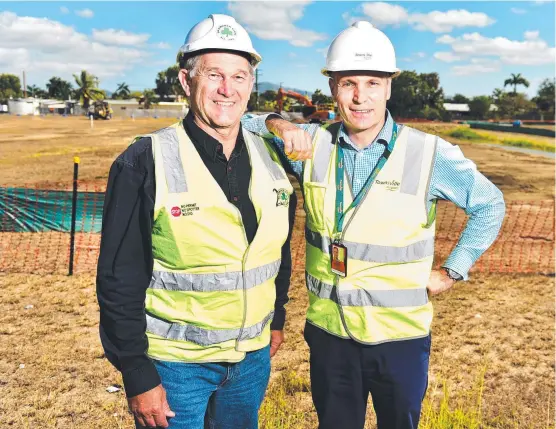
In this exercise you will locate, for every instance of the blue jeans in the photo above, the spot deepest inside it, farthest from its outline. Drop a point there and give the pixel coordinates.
(216, 395)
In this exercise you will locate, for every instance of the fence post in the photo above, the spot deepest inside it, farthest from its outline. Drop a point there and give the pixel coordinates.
(73, 212)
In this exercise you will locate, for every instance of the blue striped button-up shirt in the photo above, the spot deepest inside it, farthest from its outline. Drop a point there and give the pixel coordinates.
(454, 178)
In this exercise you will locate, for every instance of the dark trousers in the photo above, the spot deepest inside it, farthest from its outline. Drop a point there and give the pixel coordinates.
(344, 372)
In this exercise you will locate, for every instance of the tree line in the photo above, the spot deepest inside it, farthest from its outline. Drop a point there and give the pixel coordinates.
(414, 95)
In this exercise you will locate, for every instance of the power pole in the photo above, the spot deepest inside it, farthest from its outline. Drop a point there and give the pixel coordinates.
(24, 86)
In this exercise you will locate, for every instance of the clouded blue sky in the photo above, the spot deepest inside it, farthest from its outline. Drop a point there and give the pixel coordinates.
(474, 46)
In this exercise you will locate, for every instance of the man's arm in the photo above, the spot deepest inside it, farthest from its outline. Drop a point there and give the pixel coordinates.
(456, 178)
(293, 141)
(282, 283)
(125, 268)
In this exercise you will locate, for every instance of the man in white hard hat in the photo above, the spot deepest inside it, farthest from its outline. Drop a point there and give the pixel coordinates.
(370, 189)
(195, 264)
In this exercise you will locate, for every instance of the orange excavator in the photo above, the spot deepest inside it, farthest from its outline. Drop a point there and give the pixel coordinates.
(311, 112)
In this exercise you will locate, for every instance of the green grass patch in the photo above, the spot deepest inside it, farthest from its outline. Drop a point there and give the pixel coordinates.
(467, 134)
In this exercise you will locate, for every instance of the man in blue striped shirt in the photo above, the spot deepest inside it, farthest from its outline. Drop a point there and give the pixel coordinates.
(360, 65)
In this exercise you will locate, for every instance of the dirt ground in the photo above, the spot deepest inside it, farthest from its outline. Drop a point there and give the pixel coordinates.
(496, 328)
(41, 149)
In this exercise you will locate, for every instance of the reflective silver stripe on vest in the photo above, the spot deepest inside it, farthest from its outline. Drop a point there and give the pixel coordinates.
(275, 171)
(321, 158)
(202, 336)
(413, 161)
(212, 282)
(367, 298)
(173, 168)
(374, 252)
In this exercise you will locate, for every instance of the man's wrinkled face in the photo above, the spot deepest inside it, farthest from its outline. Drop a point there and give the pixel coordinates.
(361, 97)
(219, 88)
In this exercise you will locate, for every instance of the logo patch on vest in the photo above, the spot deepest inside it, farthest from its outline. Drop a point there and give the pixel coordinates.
(184, 210)
(391, 185)
(282, 197)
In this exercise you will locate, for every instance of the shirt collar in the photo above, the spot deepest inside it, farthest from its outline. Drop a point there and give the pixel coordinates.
(207, 143)
(383, 136)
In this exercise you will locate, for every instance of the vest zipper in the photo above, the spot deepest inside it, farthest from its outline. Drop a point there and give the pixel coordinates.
(243, 273)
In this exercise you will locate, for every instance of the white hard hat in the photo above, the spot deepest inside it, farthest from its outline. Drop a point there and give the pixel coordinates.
(219, 32)
(361, 47)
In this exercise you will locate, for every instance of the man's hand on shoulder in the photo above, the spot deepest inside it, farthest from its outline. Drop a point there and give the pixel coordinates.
(298, 144)
(151, 408)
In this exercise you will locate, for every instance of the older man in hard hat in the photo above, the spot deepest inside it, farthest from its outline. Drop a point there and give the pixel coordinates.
(371, 188)
(193, 275)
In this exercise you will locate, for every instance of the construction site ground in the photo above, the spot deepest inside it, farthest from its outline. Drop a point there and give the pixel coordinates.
(493, 335)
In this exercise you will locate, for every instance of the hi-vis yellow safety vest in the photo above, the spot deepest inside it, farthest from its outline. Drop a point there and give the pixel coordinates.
(212, 294)
(389, 239)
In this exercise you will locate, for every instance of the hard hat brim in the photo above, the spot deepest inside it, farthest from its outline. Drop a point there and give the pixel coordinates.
(253, 57)
(326, 72)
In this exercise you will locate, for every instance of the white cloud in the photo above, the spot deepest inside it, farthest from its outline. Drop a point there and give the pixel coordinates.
(447, 57)
(471, 69)
(85, 13)
(531, 35)
(292, 55)
(275, 21)
(420, 54)
(162, 45)
(383, 14)
(323, 51)
(445, 39)
(119, 37)
(518, 11)
(43, 47)
(414, 57)
(64, 10)
(531, 51)
(443, 22)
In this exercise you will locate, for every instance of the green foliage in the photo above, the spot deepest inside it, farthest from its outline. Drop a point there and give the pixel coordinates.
(149, 98)
(416, 95)
(87, 88)
(545, 96)
(465, 133)
(167, 83)
(458, 99)
(269, 95)
(10, 86)
(510, 104)
(479, 107)
(515, 80)
(35, 91)
(320, 98)
(122, 92)
(58, 88)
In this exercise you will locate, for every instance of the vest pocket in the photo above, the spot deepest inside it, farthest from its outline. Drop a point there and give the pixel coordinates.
(315, 194)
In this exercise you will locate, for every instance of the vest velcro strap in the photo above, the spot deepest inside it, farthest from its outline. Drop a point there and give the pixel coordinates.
(365, 297)
(173, 167)
(374, 252)
(212, 282)
(202, 336)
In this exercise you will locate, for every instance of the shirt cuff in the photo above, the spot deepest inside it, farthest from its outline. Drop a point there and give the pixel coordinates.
(141, 379)
(460, 261)
(279, 320)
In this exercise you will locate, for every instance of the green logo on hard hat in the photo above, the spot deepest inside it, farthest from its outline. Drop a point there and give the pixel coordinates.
(282, 197)
(226, 32)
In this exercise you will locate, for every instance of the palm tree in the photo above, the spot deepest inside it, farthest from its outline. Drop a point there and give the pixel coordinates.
(515, 80)
(33, 90)
(122, 91)
(149, 97)
(87, 88)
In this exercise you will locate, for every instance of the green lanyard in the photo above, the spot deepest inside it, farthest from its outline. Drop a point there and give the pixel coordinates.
(340, 214)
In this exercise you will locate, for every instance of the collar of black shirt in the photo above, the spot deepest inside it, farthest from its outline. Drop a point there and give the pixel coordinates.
(208, 144)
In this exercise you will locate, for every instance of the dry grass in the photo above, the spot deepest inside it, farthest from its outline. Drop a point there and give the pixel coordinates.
(501, 323)
(493, 337)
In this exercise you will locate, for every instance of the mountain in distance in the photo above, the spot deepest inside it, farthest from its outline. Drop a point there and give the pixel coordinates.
(265, 86)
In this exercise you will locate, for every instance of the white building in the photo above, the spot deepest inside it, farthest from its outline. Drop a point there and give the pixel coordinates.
(24, 106)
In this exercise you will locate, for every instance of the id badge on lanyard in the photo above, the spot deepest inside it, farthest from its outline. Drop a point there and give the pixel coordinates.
(338, 252)
(338, 261)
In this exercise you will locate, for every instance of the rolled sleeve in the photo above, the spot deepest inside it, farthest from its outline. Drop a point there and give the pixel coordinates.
(456, 179)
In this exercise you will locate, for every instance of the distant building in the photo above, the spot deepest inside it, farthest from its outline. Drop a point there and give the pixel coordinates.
(24, 106)
(462, 109)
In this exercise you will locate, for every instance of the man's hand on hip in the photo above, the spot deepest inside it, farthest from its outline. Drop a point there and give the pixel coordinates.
(439, 282)
(298, 144)
(151, 408)
(276, 340)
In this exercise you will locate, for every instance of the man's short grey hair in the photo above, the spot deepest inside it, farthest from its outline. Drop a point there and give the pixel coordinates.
(192, 66)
